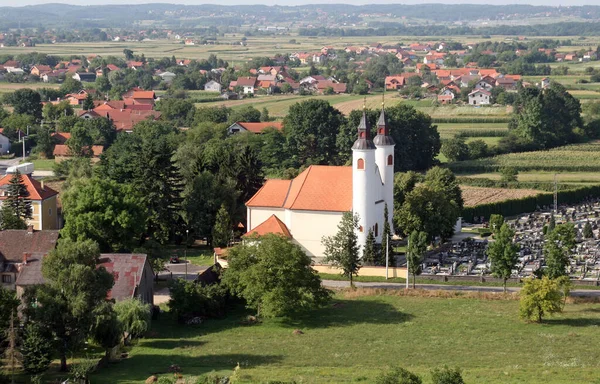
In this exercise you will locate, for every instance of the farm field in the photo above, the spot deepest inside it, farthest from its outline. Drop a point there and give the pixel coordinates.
(570, 158)
(562, 178)
(478, 195)
(367, 331)
(448, 130)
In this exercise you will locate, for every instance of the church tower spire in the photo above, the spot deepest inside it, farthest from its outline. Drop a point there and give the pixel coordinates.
(363, 141)
(385, 157)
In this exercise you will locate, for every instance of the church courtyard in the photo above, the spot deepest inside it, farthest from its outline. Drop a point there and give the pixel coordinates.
(363, 332)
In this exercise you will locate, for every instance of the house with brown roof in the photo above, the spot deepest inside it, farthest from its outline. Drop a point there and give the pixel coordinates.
(61, 153)
(311, 205)
(39, 70)
(123, 119)
(19, 247)
(43, 201)
(247, 83)
(132, 273)
(256, 128)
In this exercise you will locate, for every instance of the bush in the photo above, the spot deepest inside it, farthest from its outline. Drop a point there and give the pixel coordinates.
(398, 375)
(447, 376)
(189, 299)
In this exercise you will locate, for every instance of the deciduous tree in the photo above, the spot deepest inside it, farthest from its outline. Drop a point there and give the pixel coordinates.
(503, 253)
(417, 245)
(540, 297)
(342, 249)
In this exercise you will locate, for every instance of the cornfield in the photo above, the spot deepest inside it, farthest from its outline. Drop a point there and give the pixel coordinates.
(569, 158)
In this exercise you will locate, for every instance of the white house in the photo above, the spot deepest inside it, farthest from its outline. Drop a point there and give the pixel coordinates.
(545, 82)
(311, 206)
(480, 97)
(167, 76)
(212, 86)
(4, 145)
(257, 128)
(247, 84)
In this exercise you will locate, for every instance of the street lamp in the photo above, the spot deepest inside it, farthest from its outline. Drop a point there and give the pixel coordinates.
(187, 232)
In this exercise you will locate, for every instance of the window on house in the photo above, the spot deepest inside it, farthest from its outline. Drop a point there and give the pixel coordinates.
(49, 211)
(390, 160)
(6, 279)
(360, 164)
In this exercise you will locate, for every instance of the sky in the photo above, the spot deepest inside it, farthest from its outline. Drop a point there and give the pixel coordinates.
(15, 3)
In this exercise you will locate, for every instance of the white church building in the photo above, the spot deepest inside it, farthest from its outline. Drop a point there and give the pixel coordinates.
(311, 206)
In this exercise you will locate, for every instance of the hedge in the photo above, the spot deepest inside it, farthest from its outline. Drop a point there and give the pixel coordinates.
(514, 207)
(469, 119)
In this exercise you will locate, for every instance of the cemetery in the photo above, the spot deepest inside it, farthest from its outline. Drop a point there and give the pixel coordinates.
(465, 258)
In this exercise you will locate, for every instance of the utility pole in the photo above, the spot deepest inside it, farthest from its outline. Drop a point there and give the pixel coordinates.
(555, 195)
(187, 232)
(407, 250)
(387, 256)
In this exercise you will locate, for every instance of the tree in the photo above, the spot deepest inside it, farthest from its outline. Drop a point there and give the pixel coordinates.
(446, 376)
(70, 85)
(26, 101)
(264, 115)
(9, 304)
(342, 249)
(442, 179)
(88, 103)
(128, 54)
(455, 149)
(588, 232)
(134, 317)
(540, 297)
(247, 114)
(17, 197)
(551, 224)
(398, 375)
(508, 174)
(9, 219)
(45, 145)
(370, 253)
(557, 246)
(386, 236)
(417, 245)
(503, 254)
(74, 288)
(496, 222)
(274, 277)
(106, 329)
(222, 229)
(103, 84)
(311, 129)
(81, 140)
(36, 349)
(176, 111)
(109, 213)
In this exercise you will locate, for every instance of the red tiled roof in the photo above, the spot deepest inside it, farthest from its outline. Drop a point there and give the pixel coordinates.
(127, 270)
(33, 186)
(14, 243)
(143, 95)
(259, 127)
(63, 150)
(246, 81)
(271, 225)
(61, 137)
(318, 188)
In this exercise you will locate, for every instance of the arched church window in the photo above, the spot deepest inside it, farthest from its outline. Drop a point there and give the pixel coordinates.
(360, 164)
(360, 229)
(376, 229)
(390, 160)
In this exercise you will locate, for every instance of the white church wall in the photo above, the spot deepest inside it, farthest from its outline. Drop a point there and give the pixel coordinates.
(257, 216)
(310, 226)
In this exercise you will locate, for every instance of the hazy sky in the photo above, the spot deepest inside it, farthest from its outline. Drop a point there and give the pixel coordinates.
(298, 2)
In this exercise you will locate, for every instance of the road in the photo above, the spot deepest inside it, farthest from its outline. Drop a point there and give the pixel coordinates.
(7, 163)
(178, 271)
(383, 285)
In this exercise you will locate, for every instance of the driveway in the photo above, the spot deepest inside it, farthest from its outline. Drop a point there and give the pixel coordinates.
(176, 271)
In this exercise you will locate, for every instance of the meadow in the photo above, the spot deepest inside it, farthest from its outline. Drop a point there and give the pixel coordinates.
(366, 331)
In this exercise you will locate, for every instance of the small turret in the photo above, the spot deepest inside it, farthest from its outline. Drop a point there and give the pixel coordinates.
(363, 140)
(383, 132)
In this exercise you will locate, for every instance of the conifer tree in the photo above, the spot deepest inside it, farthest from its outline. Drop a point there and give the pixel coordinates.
(386, 245)
(370, 253)
(588, 232)
(18, 197)
(88, 103)
(222, 230)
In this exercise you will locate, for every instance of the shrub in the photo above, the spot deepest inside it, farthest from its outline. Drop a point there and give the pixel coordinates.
(189, 299)
(447, 376)
(398, 375)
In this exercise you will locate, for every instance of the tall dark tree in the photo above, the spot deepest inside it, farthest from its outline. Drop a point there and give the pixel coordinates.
(311, 129)
(370, 252)
(18, 197)
(557, 247)
(222, 229)
(417, 245)
(88, 103)
(26, 101)
(386, 244)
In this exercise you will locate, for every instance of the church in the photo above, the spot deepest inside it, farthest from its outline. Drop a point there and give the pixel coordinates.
(311, 205)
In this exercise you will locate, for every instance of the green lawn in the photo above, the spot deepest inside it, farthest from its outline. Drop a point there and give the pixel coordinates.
(358, 337)
(198, 255)
(42, 164)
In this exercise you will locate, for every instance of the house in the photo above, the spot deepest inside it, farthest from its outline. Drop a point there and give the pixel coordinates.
(61, 152)
(323, 86)
(167, 76)
(311, 205)
(508, 83)
(212, 86)
(480, 97)
(61, 137)
(545, 82)
(395, 82)
(135, 65)
(17, 248)
(421, 66)
(54, 76)
(4, 143)
(568, 57)
(123, 120)
(43, 201)
(77, 98)
(132, 273)
(247, 84)
(486, 83)
(141, 97)
(256, 128)
(39, 70)
(85, 77)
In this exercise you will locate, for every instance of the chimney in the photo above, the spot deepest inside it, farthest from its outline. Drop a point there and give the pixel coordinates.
(43, 185)
(30, 229)
(25, 257)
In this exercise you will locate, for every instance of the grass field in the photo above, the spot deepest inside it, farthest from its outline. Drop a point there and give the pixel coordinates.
(365, 332)
(562, 178)
(570, 158)
(42, 164)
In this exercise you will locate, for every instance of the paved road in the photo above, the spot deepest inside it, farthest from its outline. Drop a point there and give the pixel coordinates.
(7, 163)
(383, 285)
(179, 270)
